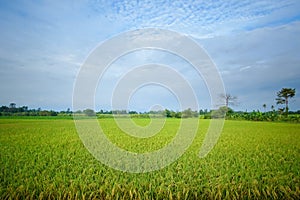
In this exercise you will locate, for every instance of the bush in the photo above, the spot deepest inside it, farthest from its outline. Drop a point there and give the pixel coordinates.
(89, 112)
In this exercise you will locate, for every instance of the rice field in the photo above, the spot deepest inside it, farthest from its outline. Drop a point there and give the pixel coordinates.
(45, 159)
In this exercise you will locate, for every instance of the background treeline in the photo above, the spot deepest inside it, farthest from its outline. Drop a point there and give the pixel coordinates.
(265, 116)
(255, 115)
(188, 113)
(228, 113)
(13, 110)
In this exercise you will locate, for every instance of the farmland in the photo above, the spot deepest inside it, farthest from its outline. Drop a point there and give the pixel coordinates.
(45, 158)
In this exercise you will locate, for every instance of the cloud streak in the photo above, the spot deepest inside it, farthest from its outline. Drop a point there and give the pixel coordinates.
(198, 18)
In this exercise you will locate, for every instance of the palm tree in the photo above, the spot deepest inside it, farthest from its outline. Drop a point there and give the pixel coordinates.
(264, 106)
(12, 105)
(283, 97)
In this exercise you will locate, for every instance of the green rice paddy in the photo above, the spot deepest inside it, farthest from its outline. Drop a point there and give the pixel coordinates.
(45, 158)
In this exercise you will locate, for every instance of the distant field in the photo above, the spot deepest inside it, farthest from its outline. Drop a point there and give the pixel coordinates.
(44, 158)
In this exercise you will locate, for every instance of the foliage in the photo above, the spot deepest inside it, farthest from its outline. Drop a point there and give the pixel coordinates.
(263, 116)
(188, 113)
(264, 106)
(257, 115)
(89, 112)
(45, 159)
(13, 110)
(283, 97)
(221, 112)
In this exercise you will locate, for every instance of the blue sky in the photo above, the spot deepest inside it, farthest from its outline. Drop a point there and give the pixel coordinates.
(254, 43)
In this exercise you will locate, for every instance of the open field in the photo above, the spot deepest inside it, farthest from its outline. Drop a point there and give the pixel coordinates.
(44, 158)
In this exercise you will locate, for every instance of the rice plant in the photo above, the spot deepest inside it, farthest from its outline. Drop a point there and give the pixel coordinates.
(45, 158)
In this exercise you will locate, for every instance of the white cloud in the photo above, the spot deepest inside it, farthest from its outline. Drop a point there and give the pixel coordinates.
(245, 68)
(201, 19)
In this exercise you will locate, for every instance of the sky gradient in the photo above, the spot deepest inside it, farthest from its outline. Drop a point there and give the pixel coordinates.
(254, 43)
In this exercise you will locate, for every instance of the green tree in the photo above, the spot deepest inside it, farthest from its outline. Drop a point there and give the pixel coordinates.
(188, 113)
(167, 113)
(221, 112)
(12, 107)
(89, 112)
(264, 106)
(283, 97)
(272, 108)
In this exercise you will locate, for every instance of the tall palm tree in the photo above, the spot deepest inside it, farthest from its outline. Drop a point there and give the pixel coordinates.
(283, 97)
(264, 106)
(272, 107)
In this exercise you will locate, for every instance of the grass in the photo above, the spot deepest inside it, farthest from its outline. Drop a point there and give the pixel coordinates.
(44, 158)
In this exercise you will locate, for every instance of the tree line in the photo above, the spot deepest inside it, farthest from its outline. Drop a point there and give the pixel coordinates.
(187, 113)
(227, 112)
(13, 110)
(282, 114)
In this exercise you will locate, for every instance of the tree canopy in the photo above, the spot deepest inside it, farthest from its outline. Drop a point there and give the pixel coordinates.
(283, 97)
